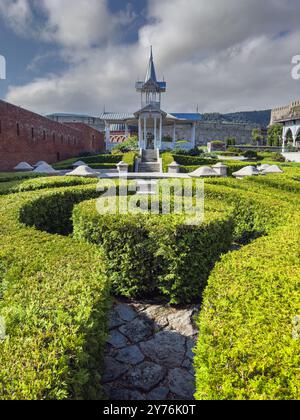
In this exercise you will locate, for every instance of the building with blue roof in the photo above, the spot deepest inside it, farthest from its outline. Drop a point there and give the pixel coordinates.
(156, 128)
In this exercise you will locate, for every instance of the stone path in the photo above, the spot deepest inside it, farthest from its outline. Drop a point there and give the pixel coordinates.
(149, 352)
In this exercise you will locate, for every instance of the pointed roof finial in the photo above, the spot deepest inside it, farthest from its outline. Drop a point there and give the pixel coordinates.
(151, 73)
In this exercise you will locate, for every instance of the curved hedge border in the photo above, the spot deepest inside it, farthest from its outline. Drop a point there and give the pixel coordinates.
(147, 254)
(54, 299)
(246, 347)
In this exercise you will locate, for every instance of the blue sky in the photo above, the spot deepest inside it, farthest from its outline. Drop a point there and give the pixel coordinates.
(21, 51)
(222, 56)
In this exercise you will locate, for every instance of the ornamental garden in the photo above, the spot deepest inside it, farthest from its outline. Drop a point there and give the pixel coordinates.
(63, 267)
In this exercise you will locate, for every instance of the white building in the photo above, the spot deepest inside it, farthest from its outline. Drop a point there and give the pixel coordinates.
(94, 122)
(289, 117)
(156, 129)
(161, 130)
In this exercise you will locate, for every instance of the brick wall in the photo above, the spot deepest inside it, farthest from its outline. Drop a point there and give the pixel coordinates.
(29, 137)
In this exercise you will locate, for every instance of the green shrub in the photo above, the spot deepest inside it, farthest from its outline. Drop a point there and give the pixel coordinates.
(167, 159)
(90, 160)
(18, 176)
(130, 158)
(251, 154)
(233, 166)
(42, 183)
(129, 145)
(218, 143)
(192, 160)
(161, 253)
(54, 303)
(246, 348)
(277, 157)
(52, 212)
(103, 166)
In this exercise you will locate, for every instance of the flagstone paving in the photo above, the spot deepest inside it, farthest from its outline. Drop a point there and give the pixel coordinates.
(149, 352)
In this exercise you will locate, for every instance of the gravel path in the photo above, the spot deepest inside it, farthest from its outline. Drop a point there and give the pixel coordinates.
(149, 353)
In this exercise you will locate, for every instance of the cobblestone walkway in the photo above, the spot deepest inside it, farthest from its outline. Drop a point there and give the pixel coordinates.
(149, 353)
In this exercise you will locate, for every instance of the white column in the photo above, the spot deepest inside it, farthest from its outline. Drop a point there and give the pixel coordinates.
(140, 133)
(145, 133)
(294, 139)
(126, 131)
(155, 132)
(174, 135)
(160, 132)
(194, 135)
(107, 135)
(283, 143)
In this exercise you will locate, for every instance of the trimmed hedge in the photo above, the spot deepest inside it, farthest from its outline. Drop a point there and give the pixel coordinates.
(193, 160)
(129, 158)
(42, 183)
(167, 159)
(90, 160)
(246, 348)
(55, 298)
(18, 176)
(148, 253)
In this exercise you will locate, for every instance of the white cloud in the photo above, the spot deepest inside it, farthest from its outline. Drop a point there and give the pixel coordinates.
(76, 24)
(224, 56)
(17, 14)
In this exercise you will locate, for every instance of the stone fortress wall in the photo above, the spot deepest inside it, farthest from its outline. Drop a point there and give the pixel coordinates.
(286, 112)
(26, 136)
(209, 131)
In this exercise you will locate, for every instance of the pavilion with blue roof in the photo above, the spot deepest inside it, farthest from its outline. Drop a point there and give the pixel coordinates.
(153, 124)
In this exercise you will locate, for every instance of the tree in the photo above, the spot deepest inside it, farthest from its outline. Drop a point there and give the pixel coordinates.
(257, 136)
(289, 137)
(231, 141)
(275, 135)
(129, 145)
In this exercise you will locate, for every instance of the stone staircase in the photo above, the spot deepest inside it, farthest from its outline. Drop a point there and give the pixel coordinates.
(149, 162)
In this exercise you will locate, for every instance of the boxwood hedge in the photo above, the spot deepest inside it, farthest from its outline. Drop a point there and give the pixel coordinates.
(246, 348)
(150, 253)
(54, 290)
(90, 160)
(54, 300)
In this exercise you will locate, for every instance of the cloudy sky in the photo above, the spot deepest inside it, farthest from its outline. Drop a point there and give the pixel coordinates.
(82, 55)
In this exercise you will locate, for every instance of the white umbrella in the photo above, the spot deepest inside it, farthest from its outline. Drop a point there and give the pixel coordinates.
(274, 169)
(39, 163)
(204, 171)
(78, 163)
(263, 167)
(23, 167)
(45, 169)
(84, 171)
(247, 171)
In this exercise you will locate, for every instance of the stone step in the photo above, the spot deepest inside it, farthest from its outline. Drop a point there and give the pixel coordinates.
(149, 156)
(149, 167)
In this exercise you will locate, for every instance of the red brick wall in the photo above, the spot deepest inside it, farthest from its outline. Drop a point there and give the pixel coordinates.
(29, 137)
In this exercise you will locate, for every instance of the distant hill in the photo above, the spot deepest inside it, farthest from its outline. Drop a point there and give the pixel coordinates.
(255, 117)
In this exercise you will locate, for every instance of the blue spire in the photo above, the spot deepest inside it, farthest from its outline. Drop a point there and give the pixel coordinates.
(151, 74)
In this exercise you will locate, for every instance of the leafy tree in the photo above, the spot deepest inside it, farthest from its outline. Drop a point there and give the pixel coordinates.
(231, 141)
(129, 145)
(289, 137)
(257, 136)
(275, 135)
